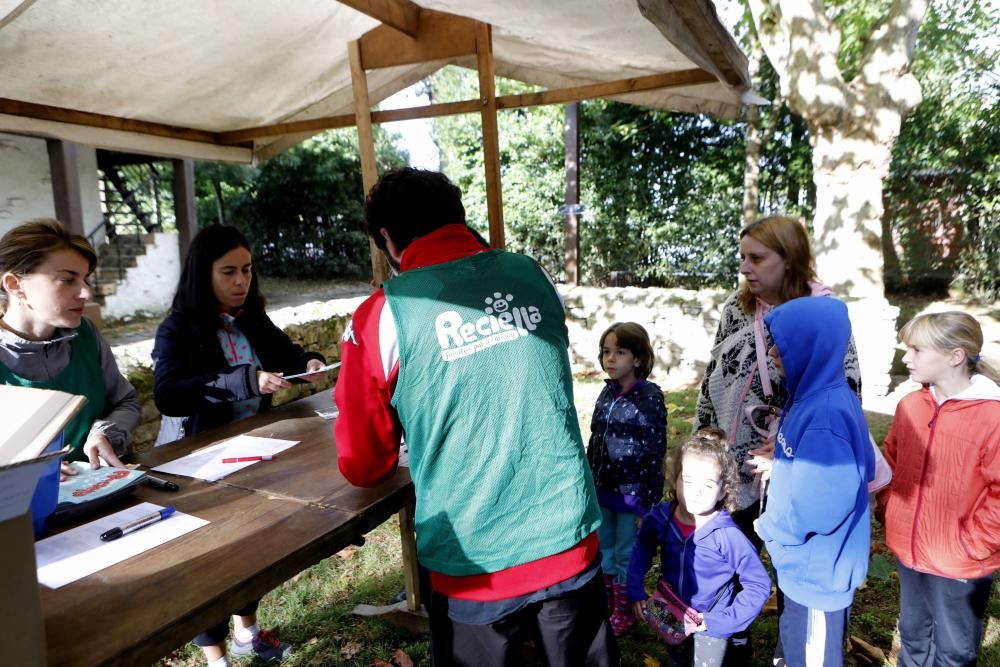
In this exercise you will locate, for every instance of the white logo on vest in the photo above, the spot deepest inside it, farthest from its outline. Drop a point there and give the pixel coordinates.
(502, 322)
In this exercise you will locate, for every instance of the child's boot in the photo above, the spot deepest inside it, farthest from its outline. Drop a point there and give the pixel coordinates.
(622, 619)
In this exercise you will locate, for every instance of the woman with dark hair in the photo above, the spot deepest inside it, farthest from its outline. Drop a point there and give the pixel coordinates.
(218, 358)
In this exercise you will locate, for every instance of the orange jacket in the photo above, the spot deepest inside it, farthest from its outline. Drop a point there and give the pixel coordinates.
(942, 510)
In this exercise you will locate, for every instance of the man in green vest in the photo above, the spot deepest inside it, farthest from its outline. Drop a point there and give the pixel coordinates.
(464, 352)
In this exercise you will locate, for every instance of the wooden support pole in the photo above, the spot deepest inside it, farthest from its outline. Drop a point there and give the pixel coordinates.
(491, 140)
(366, 147)
(66, 184)
(184, 205)
(572, 250)
(407, 538)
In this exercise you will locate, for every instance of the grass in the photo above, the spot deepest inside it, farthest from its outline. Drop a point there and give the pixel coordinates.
(313, 611)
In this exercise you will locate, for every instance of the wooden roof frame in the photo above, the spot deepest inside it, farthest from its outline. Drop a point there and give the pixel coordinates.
(409, 34)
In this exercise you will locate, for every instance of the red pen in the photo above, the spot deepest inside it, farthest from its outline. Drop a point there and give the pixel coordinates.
(247, 459)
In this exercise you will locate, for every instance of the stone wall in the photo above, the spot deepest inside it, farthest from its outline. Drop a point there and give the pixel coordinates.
(320, 335)
(680, 322)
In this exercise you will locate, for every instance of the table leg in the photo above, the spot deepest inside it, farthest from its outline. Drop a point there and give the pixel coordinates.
(409, 542)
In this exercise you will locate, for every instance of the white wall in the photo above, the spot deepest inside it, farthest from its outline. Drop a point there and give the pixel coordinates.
(149, 287)
(26, 182)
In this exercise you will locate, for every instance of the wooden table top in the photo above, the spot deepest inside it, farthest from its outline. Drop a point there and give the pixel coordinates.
(269, 522)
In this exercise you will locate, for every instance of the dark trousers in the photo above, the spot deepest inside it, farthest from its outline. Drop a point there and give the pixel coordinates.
(218, 632)
(570, 630)
(812, 637)
(740, 648)
(940, 619)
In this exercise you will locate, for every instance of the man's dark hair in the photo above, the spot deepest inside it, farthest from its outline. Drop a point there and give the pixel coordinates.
(194, 296)
(410, 203)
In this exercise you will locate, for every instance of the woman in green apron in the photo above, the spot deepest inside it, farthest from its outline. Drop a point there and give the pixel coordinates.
(47, 343)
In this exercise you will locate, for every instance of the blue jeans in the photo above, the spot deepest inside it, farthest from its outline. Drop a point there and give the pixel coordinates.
(616, 535)
(940, 619)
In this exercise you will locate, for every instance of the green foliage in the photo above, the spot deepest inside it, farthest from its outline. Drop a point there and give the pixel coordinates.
(945, 181)
(531, 171)
(663, 194)
(303, 211)
(638, 170)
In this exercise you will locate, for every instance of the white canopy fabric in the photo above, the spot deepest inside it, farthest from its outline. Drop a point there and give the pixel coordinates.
(223, 65)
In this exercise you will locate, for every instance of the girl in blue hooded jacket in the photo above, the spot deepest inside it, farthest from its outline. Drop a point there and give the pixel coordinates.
(703, 553)
(627, 444)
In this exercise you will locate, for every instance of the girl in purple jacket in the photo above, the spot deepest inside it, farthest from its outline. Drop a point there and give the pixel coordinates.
(705, 559)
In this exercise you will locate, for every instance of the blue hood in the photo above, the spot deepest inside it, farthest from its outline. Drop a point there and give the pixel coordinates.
(812, 335)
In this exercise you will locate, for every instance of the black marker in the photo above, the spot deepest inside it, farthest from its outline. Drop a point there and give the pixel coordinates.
(147, 520)
(161, 484)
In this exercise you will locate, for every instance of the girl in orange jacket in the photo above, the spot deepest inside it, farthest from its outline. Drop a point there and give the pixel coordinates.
(942, 510)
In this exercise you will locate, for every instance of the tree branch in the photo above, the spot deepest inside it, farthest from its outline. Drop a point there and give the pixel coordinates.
(885, 63)
(802, 44)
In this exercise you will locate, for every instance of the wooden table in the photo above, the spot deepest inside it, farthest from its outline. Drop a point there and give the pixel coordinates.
(269, 522)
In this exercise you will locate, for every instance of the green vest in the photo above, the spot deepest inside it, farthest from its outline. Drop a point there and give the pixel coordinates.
(485, 397)
(83, 377)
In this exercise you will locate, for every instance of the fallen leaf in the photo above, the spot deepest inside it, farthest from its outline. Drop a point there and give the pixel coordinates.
(350, 650)
(347, 553)
(401, 659)
(649, 661)
(879, 568)
(380, 663)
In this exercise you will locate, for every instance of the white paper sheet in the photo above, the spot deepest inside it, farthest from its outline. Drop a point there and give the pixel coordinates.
(77, 553)
(207, 463)
(325, 369)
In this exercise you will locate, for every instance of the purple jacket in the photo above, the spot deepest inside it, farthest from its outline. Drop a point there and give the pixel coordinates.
(702, 570)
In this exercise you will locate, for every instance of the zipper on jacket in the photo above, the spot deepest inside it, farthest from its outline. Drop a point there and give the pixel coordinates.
(604, 438)
(932, 425)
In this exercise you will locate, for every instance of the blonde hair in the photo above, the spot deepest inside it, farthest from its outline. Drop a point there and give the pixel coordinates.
(709, 443)
(788, 237)
(947, 331)
(25, 247)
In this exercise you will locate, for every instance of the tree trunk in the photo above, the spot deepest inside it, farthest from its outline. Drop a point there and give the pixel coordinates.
(751, 162)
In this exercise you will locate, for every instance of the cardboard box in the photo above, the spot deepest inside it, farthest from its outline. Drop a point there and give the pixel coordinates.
(31, 419)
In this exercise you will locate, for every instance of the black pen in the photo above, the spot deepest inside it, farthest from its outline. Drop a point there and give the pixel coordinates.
(147, 520)
(161, 484)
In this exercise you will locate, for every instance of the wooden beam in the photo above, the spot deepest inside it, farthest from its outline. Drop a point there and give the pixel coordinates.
(366, 147)
(185, 211)
(399, 14)
(66, 184)
(491, 138)
(440, 36)
(71, 116)
(572, 228)
(690, 77)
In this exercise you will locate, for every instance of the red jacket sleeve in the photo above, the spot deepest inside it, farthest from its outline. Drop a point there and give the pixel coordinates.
(367, 431)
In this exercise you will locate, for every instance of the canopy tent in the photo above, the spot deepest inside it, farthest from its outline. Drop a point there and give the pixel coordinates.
(239, 80)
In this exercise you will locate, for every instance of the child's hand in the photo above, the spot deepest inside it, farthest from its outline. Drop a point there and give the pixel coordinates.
(639, 609)
(690, 627)
(66, 471)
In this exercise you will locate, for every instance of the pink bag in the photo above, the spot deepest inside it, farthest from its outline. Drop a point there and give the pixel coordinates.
(670, 617)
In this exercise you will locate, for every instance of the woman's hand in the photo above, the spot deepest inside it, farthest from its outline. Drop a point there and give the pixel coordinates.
(66, 471)
(762, 457)
(268, 383)
(100, 452)
(314, 365)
